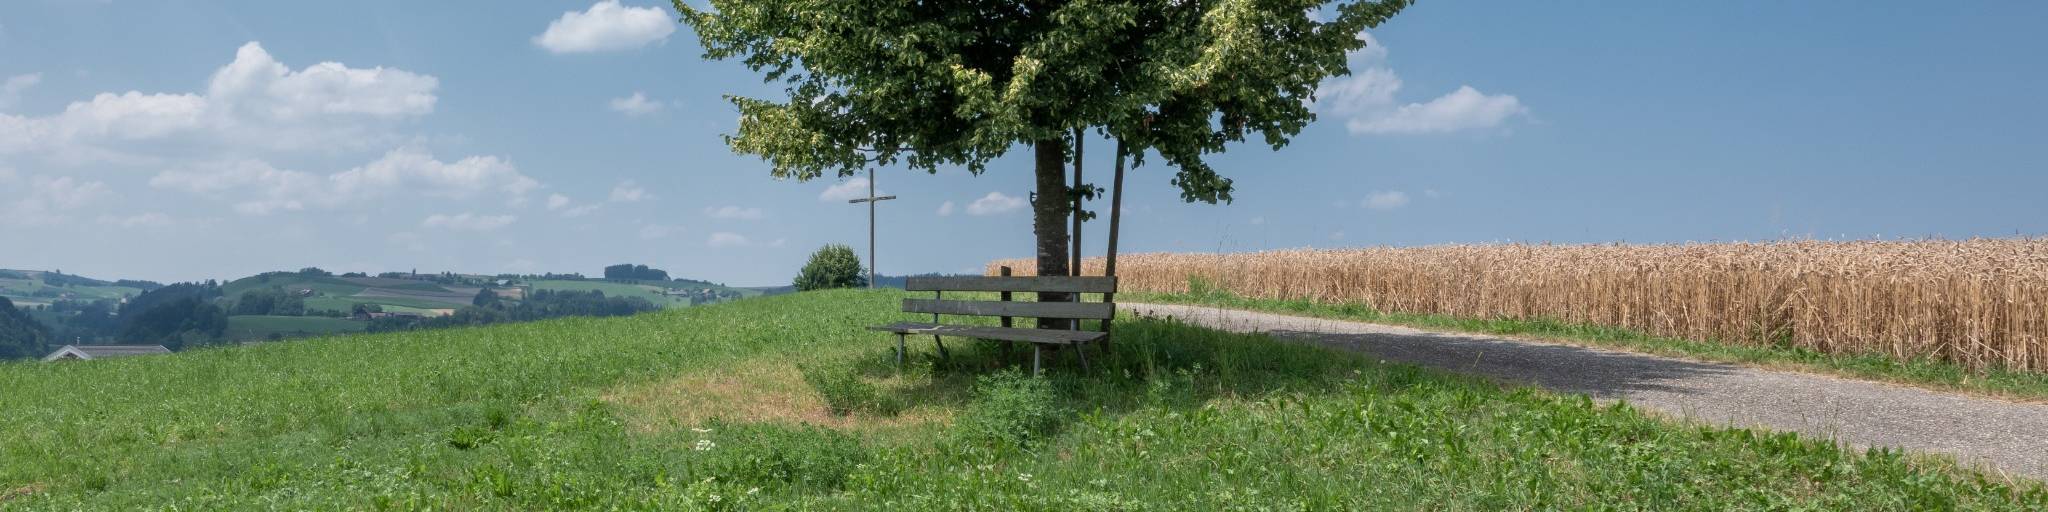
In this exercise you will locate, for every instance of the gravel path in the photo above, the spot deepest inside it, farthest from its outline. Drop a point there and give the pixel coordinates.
(2004, 436)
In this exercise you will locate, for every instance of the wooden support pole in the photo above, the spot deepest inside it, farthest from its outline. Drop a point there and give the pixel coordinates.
(1075, 268)
(1116, 209)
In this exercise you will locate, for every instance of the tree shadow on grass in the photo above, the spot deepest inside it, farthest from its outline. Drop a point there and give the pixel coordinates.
(1163, 362)
(1149, 363)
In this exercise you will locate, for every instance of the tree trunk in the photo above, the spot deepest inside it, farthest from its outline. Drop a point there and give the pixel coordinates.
(1049, 219)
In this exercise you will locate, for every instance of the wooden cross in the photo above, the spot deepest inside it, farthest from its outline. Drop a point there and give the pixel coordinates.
(871, 199)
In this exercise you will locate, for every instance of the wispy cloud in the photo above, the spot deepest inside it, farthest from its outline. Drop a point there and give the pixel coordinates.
(1385, 200)
(629, 192)
(852, 188)
(733, 213)
(637, 105)
(723, 240)
(468, 221)
(994, 203)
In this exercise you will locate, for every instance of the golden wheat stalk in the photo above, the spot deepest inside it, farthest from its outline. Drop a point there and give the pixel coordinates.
(1981, 303)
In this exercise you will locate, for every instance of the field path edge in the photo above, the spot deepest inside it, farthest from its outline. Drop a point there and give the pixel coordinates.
(2002, 436)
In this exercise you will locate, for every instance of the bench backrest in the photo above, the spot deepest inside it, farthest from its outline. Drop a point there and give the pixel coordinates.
(1054, 284)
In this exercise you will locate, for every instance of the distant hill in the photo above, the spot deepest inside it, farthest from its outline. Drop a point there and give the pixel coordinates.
(37, 287)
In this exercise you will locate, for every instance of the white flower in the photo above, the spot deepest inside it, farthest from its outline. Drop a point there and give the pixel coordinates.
(700, 430)
(1023, 477)
(705, 445)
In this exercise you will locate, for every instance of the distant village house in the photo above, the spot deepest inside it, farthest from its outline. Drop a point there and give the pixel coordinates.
(91, 352)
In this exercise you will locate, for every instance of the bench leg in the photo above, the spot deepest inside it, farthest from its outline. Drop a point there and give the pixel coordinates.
(942, 347)
(1035, 359)
(899, 351)
(1083, 353)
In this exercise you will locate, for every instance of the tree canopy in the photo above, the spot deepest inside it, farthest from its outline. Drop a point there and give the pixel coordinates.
(926, 84)
(20, 335)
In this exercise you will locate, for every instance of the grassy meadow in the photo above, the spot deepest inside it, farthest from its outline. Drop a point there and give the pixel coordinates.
(259, 327)
(784, 402)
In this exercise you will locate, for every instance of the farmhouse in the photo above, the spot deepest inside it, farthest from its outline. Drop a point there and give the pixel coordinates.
(91, 352)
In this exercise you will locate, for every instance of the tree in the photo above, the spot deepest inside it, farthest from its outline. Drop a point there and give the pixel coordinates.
(485, 297)
(925, 84)
(20, 335)
(833, 266)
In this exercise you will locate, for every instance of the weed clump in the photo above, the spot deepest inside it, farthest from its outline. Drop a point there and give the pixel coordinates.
(1010, 408)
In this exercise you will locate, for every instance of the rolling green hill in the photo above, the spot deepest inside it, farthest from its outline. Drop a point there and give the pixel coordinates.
(35, 287)
(731, 406)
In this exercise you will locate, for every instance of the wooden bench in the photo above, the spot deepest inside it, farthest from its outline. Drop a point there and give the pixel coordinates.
(1075, 311)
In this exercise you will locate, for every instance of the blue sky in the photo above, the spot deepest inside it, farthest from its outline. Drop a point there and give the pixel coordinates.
(191, 140)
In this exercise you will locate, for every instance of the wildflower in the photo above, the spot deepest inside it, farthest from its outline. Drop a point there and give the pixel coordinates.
(1023, 477)
(700, 430)
(705, 445)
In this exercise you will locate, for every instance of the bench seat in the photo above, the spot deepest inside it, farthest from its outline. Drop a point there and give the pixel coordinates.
(1045, 336)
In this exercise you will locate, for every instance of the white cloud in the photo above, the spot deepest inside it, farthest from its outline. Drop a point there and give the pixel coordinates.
(252, 103)
(48, 198)
(141, 220)
(854, 188)
(657, 231)
(946, 209)
(994, 203)
(1258, 221)
(628, 192)
(1465, 108)
(8, 176)
(10, 90)
(1366, 100)
(468, 221)
(568, 207)
(1385, 200)
(637, 105)
(733, 212)
(606, 26)
(263, 189)
(722, 239)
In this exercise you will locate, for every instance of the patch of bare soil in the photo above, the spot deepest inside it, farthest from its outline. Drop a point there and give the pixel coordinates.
(752, 392)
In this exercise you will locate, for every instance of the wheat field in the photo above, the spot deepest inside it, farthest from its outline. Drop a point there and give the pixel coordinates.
(1979, 303)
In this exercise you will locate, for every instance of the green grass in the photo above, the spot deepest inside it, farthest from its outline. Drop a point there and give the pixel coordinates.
(571, 414)
(259, 327)
(2030, 386)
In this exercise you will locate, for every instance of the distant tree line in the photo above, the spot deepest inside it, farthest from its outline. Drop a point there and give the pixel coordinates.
(270, 301)
(631, 272)
(540, 305)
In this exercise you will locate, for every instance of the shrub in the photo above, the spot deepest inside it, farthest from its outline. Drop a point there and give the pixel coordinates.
(833, 266)
(1010, 408)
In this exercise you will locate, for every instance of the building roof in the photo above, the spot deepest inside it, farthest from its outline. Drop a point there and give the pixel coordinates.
(90, 352)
